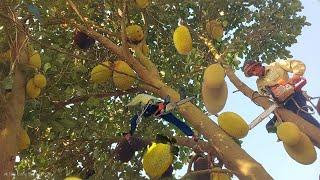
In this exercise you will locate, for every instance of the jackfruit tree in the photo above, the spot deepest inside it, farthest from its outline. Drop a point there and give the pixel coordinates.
(69, 67)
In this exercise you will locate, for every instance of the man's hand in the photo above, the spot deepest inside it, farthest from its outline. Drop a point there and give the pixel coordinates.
(294, 79)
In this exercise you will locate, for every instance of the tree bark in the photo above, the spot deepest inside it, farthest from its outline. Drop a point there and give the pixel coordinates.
(13, 110)
(286, 115)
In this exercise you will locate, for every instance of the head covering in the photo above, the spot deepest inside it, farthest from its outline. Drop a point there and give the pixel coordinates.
(248, 66)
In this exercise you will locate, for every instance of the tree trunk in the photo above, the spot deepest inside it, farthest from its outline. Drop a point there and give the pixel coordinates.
(12, 112)
(286, 115)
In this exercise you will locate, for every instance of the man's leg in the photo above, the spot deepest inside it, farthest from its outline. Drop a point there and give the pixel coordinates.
(301, 109)
(178, 123)
(133, 124)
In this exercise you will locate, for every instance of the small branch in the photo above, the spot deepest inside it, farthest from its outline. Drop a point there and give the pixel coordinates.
(79, 99)
(123, 16)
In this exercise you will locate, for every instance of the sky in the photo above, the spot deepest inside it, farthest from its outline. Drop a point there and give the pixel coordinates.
(263, 146)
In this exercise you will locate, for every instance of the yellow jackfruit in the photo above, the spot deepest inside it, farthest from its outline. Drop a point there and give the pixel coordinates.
(182, 40)
(219, 176)
(214, 99)
(72, 178)
(214, 76)
(233, 124)
(142, 3)
(303, 152)
(32, 90)
(100, 73)
(134, 34)
(125, 79)
(214, 29)
(35, 60)
(23, 140)
(157, 159)
(289, 133)
(40, 80)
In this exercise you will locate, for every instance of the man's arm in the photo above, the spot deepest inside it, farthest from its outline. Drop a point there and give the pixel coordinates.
(294, 66)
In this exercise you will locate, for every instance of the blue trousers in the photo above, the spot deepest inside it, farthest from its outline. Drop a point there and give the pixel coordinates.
(151, 109)
(290, 105)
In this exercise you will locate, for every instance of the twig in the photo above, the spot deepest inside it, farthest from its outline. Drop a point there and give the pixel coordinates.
(79, 99)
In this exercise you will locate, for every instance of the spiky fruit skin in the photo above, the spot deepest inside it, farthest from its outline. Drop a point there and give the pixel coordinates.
(142, 3)
(137, 143)
(32, 90)
(201, 163)
(219, 176)
(72, 178)
(214, 29)
(35, 60)
(157, 159)
(100, 74)
(40, 81)
(303, 152)
(82, 40)
(124, 151)
(134, 34)
(182, 40)
(126, 80)
(289, 133)
(23, 140)
(214, 99)
(214, 76)
(233, 124)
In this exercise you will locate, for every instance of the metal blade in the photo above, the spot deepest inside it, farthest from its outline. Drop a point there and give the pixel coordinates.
(263, 115)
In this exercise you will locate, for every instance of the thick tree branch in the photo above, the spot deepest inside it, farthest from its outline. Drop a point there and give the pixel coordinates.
(309, 129)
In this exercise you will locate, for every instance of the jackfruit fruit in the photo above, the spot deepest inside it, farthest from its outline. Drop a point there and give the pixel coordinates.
(157, 159)
(72, 178)
(182, 40)
(214, 29)
(32, 90)
(125, 79)
(233, 124)
(303, 152)
(23, 140)
(214, 76)
(214, 99)
(124, 151)
(142, 3)
(40, 80)
(289, 133)
(219, 175)
(134, 34)
(100, 74)
(201, 163)
(35, 60)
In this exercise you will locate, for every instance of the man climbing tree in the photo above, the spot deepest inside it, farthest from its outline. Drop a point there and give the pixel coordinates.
(271, 75)
(155, 109)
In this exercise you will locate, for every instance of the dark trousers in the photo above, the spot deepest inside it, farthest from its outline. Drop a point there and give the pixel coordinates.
(151, 109)
(290, 105)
